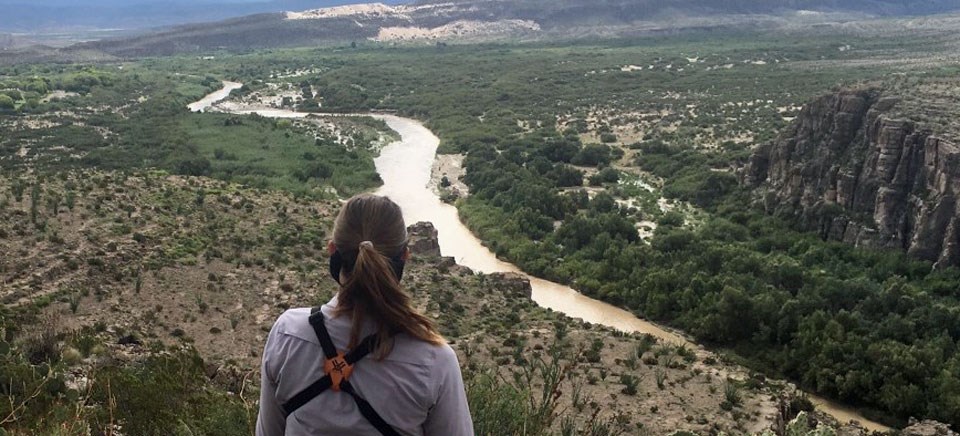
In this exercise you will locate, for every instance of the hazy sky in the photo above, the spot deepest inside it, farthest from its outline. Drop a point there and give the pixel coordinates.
(51, 16)
(116, 3)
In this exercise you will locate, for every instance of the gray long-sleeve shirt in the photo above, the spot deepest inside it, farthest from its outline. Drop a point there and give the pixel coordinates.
(417, 389)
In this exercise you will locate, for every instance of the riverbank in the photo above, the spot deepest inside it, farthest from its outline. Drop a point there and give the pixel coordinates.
(449, 167)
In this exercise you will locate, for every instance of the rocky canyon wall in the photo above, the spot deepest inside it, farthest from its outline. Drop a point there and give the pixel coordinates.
(852, 171)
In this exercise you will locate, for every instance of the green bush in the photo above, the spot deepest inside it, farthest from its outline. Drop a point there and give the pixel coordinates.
(6, 103)
(630, 384)
(164, 395)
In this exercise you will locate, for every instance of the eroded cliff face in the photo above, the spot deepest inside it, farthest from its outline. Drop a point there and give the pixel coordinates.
(853, 172)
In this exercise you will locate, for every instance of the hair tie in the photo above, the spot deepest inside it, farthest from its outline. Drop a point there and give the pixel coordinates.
(366, 244)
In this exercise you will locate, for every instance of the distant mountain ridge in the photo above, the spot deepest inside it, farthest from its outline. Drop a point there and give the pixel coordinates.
(445, 20)
(564, 12)
(633, 9)
(8, 42)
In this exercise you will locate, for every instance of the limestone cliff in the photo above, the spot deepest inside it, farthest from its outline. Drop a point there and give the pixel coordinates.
(851, 170)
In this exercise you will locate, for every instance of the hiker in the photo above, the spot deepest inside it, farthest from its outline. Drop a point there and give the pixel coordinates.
(366, 362)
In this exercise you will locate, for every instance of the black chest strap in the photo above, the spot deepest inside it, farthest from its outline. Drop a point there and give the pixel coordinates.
(338, 368)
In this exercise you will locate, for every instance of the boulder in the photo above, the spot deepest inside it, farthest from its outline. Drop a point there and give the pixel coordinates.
(449, 265)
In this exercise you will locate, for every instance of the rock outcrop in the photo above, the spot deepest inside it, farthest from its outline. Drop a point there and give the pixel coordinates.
(927, 428)
(512, 284)
(424, 240)
(853, 172)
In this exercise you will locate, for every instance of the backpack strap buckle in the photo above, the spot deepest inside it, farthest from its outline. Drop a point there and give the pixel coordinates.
(338, 369)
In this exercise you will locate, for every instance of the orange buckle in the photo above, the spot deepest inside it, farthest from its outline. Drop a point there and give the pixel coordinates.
(338, 369)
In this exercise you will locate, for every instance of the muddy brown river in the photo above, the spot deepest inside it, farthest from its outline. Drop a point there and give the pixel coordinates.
(405, 167)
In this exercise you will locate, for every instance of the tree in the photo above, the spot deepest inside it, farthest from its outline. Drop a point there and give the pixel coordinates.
(560, 150)
(606, 175)
(13, 94)
(6, 103)
(314, 170)
(593, 155)
(193, 167)
(565, 176)
(38, 86)
(603, 203)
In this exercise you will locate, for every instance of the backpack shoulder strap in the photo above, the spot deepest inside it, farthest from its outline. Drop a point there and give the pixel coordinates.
(319, 327)
(367, 411)
(338, 368)
(329, 350)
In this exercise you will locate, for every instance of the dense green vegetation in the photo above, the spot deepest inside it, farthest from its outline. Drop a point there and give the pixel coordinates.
(871, 328)
(268, 153)
(137, 118)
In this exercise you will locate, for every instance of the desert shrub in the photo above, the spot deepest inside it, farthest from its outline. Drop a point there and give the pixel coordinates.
(731, 394)
(498, 407)
(502, 407)
(42, 346)
(630, 384)
(661, 376)
(164, 395)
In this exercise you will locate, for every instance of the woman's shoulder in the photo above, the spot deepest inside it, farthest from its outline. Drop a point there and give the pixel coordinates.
(411, 350)
(294, 323)
(445, 353)
(294, 315)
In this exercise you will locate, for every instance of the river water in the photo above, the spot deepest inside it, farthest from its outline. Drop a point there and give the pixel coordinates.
(405, 167)
(215, 96)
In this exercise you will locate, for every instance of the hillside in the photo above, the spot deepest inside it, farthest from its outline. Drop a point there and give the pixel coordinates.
(551, 13)
(59, 15)
(8, 41)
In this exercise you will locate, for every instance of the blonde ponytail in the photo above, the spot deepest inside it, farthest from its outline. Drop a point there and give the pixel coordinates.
(370, 231)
